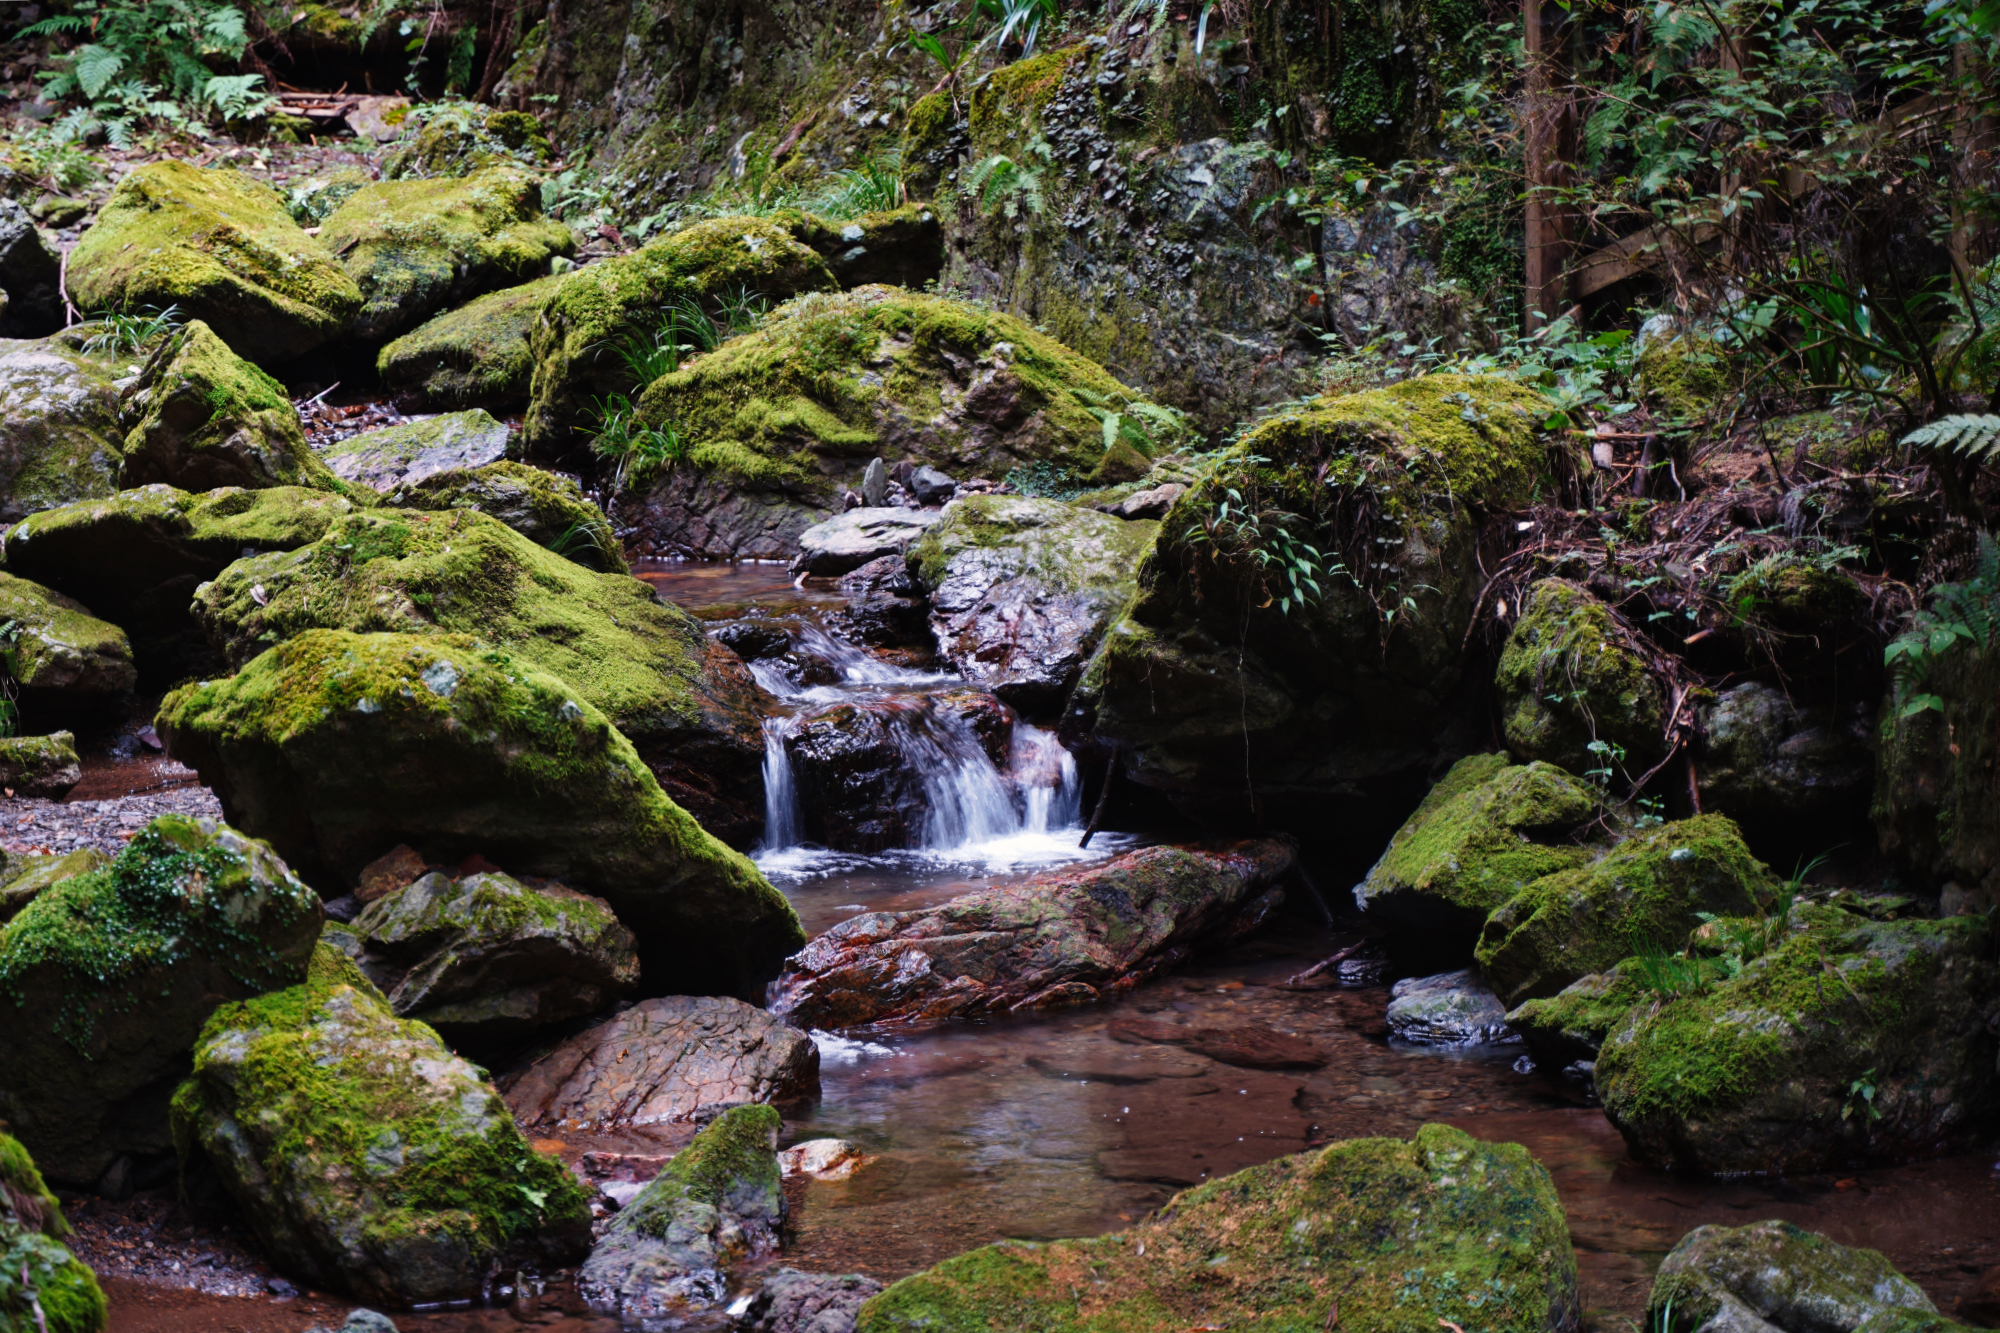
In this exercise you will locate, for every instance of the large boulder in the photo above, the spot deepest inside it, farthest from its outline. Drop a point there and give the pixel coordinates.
(1574, 673)
(474, 356)
(30, 277)
(1070, 937)
(1933, 806)
(60, 438)
(63, 659)
(222, 248)
(46, 1289)
(207, 418)
(415, 247)
(1362, 1234)
(671, 1253)
(339, 747)
(547, 508)
(846, 542)
(1773, 1277)
(688, 704)
(1851, 1038)
(39, 765)
(486, 959)
(675, 1058)
(1648, 891)
(411, 451)
(1022, 590)
(1766, 759)
(1242, 694)
(1486, 831)
(364, 1155)
(111, 975)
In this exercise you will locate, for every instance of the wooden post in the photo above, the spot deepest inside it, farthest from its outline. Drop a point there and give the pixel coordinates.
(1551, 151)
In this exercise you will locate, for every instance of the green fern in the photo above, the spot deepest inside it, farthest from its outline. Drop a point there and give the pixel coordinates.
(1969, 436)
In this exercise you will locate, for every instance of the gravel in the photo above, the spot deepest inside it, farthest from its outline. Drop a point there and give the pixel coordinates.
(31, 825)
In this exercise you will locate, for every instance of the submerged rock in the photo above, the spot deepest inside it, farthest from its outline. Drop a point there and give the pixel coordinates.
(111, 975)
(474, 356)
(1479, 1240)
(60, 438)
(63, 659)
(47, 1290)
(1450, 1009)
(1070, 937)
(416, 450)
(364, 1155)
(1573, 673)
(39, 765)
(1773, 1276)
(547, 508)
(850, 540)
(671, 1059)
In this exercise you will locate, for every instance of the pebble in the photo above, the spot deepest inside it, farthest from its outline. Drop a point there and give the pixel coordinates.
(32, 825)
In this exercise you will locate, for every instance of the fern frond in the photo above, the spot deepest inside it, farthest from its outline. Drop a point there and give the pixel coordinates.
(1970, 436)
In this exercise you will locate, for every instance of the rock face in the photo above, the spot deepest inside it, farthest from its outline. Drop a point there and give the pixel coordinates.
(28, 878)
(1568, 1027)
(1851, 1038)
(848, 541)
(30, 277)
(487, 959)
(1765, 759)
(474, 356)
(1647, 889)
(39, 765)
(1571, 674)
(1066, 938)
(47, 1290)
(208, 418)
(1477, 1229)
(1775, 1276)
(60, 440)
(1022, 590)
(417, 450)
(1933, 806)
(1329, 704)
(687, 704)
(672, 1059)
(1485, 832)
(548, 509)
(670, 1252)
(364, 1155)
(341, 746)
(1450, 1009)
(415, 247)
(110, 976)
(64, 659)
(221, 247)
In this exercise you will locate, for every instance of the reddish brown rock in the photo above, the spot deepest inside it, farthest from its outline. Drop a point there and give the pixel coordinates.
(397, 868)
(1067, 938)
(1248, 1047)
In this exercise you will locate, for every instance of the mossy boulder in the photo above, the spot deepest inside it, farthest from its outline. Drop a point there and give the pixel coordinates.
(1773, 1275)
(1022, 590)
(415, 247)
(1567, 1028)
(688, 704)
(623, 297)
(1573, 672)
(63, 659)
(364, 1155)
(1683, 378)
(39, 765)
(1396, 1234)
(452, 143)
(475, 356)
(1485, 832)
(317, 198)
(223, 248)
(719, 1204)
(903, 247)
(47, 1289)
(340, 746)
(1933, 804)
(1646, 890)
(207, 418)
(1852, 1039)
(1239, 693)
(27, 878)
(1789, 594)
(1769, 759)
(385, 459)
(106, 979)
(60, 438)
(547, 508)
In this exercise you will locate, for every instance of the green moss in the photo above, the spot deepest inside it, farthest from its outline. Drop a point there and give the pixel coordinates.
(545, 507)
(61, 1296)
(57, 645)
(1683, 378)
(1790, 594)
(1009, 101)
(929, 123)
(452, 143)
(1572, 674)
(476, 354)
(737, 1151)
(23, 885)
(1572, 1024)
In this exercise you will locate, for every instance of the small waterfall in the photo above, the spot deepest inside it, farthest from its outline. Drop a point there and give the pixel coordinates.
(1047, 774)
(781, 796)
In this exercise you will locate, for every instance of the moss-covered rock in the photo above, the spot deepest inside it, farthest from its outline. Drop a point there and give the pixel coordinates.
(547, 508)
(1683, 378)
(384, 459)
(903, 247)
(717, 1205)
(1229, 691)
(364, 1155)
(1775, 1275)
(1568, 1027)
(28, 878)
(623, 297)
(39, 765)
(475, 356)
(1791, 595)
(317, 198)
(451, 143)
(60, 438)
(1767, 759)
(1933, 804)
(1484, 833)
(221, 247)
(208, 418)
(1852, 1038)
(63, 659)
(688, 704)
(340, 746)
(1645, 891)
(1571, 674)
(415, 247)
(1398, 1234)
(107, 977)
(48, 1290)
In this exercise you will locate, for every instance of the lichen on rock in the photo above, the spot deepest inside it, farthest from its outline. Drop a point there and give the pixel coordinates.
(1773, 1275)
(411, 451)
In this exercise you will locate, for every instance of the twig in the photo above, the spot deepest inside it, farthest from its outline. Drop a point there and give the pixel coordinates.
(1103, 799)
(1320, 967)
(70, 314)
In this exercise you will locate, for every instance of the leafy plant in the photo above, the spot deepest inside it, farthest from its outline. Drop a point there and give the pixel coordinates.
(1964, 612)
(1972, 437)
(54, 155)
(636, 450)
(1293, 571)
(151, 59)
(131, 331)
(1008, 188)
(1045, 480)
(1020, 20)
(1672, 976)
(682, 329)
(1861, 1098)
(875, 186)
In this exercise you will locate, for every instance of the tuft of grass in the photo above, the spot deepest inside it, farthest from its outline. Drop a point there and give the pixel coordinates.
(131, 330)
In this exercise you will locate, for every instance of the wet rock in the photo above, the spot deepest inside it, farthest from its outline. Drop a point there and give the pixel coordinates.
(30, 277)
(362, 1321)
(1651, 887)
(687, 704)
(930, 486)
(795, 1302)
(364, 1155)
(341, 746)
(670, 1253)
(116, 970)
(1764, 758)
(63, 659)
(1022, 590)
(65, 1294)
(1450, 1009)
(824, 1159)
(547, 508)
(886, 607)
(1570, 1026)
(415, 247)
(224, 249)
(1478, 1230)
(1573, 672)
(1776, 1276)
(28, 878)
(476, 355)
(1063, 938)
(487, 959)
(676, 1058)
(1484, 833)
(416, 450)
(1247, 1047)
(39, 765)
(858, 537)
(1850, 1039)
(60, 439)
